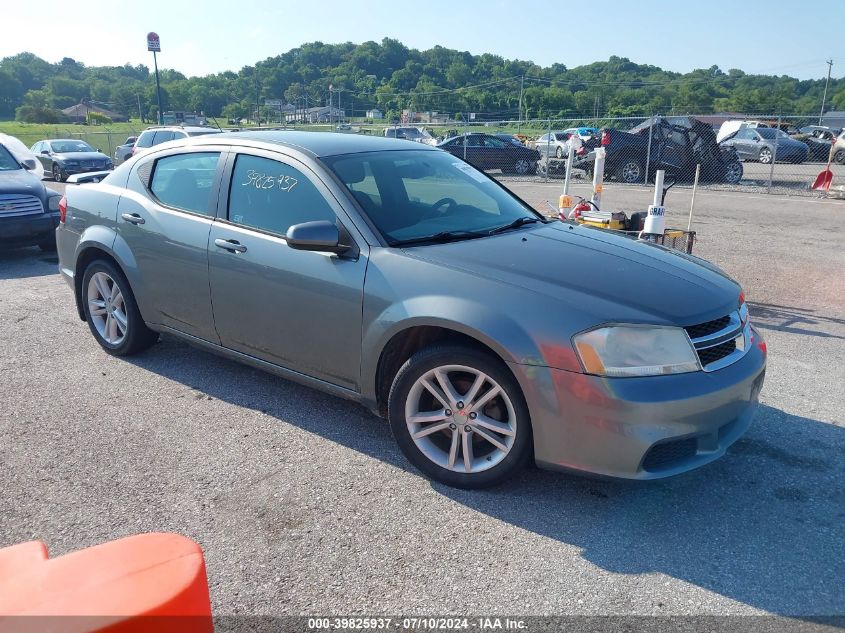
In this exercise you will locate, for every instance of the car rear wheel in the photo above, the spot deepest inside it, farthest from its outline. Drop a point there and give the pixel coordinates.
(523, 166)
(765, 156)
(733, 172)
(839, 157)
(57, 173)
(111, 311)
(630, 171)
(459, 416)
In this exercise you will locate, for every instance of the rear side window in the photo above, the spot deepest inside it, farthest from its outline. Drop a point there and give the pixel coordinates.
(162, 136)
(184, 181)
(146, 139)
(271, 196)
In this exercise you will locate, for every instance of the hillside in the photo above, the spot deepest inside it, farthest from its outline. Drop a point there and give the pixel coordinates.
(390, 76)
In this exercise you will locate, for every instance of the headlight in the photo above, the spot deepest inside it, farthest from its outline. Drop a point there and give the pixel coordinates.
(631, 350)
(53, 203)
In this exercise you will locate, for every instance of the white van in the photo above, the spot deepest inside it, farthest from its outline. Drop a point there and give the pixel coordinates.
(731, 127)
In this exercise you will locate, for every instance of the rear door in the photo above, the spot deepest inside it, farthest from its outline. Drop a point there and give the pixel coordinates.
(297, 309)
(163, 221)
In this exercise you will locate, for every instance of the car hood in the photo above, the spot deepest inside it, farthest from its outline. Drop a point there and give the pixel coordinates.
(590, 268)
(21, 181)
(79, 156)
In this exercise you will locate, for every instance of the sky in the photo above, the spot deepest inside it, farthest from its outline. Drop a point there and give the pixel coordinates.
(207, 36)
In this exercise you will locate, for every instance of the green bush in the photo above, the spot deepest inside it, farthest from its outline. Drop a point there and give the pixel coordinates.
(38, 114)
(95, 118)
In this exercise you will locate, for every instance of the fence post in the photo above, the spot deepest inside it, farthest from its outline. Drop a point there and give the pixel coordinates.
(548, 149)
(774, 159)
(648, 152)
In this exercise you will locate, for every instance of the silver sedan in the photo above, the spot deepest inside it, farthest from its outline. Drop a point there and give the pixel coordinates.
(400, 277)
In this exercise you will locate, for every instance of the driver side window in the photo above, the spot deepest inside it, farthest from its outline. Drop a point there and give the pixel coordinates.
(271, 196)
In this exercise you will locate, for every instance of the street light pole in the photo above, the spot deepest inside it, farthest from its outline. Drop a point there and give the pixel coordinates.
(158, 91)
(829, 63)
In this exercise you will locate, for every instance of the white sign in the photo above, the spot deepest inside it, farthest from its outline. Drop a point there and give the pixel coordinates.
(153, 42)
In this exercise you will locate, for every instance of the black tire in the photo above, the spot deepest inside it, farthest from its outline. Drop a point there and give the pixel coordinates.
(733, 172)
(765, 156)
(839, 157)
(138, 336)
(559, 152)
(57, 173)
(439, 355)
(48, 244)
(630, 170)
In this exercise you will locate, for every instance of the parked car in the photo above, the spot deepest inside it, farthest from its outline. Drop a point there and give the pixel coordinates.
(509, 138)
(759, 144)
(29, 212)
(819, 130)
(391, 274)
(62, 157)
(553, 144)
(124, 152)
(678, 144)
(161, 134)
(586, 133)
(411, 134)
(839, 149)
(486, 151)
(729, 128)
(818, 142)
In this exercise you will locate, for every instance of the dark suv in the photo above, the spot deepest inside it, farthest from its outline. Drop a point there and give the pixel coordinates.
(158, 135)
(29, 212)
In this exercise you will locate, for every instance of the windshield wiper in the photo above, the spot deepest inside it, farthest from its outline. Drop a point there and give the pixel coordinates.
(443, 236)
(515, 224)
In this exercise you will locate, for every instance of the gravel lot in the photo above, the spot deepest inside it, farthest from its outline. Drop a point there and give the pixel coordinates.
(303, 504)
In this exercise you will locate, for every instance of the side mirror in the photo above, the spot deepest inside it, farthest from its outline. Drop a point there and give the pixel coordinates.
(320, 235)
(28, 164)
(46, 152)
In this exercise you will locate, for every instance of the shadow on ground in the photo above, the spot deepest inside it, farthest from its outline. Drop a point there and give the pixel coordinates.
(763, 526)
(19, 263)
(793, 320)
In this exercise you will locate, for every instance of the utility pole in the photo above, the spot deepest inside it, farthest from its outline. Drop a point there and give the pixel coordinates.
(521, 86)
(257, 96)
(829, 63)
(140, 113)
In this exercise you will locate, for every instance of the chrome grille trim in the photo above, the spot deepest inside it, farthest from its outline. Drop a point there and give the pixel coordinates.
(13, 204)
(737, 330)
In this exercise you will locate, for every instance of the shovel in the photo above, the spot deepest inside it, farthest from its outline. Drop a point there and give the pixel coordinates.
(824, 179)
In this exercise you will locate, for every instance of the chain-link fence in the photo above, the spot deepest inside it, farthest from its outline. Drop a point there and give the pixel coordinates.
(764, 153)
(105, 139)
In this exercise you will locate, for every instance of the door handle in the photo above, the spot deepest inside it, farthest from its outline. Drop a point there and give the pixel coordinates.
(233, 246)
(134, 218)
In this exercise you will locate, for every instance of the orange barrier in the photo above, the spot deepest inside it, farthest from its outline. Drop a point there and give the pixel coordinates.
(139, 583)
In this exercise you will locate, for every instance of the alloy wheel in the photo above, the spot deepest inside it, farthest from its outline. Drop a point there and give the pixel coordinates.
(631, 172)
(522, 166)
(57, 173)
(765, 156)
(460, 418)
(107, 308)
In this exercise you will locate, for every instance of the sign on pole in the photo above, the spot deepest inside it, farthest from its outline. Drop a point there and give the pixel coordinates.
(153, 42)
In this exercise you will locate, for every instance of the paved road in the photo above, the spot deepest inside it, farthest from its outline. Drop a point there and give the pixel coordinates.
(303, 504)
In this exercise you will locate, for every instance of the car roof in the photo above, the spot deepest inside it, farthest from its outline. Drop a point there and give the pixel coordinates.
(62, 140)
(184, 128)
(318, 144)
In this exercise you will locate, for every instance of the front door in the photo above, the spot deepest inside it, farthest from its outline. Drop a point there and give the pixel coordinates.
(297, 309)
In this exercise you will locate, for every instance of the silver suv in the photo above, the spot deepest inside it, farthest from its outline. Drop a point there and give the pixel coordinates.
(400, 277)
(157, 135)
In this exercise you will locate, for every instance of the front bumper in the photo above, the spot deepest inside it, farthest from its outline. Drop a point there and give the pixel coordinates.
(77, 169)
(28, 229)
(640, 428)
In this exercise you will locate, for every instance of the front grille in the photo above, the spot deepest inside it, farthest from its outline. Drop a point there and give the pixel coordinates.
(720, 342)
(668, 454)
(710, 327)
(19, 204)
(717, 352)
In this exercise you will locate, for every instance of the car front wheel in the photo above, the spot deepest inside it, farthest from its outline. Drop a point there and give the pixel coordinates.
(839, 157)
(765, 156)
(630, 171)
(559, 152)
(733, 172)
(57, 173)
(111, 311)
(459, 416)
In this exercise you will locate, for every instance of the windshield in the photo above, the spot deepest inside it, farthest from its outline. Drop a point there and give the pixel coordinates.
(410, 195)
(64, 147)
(203, 132)
(7, 161)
